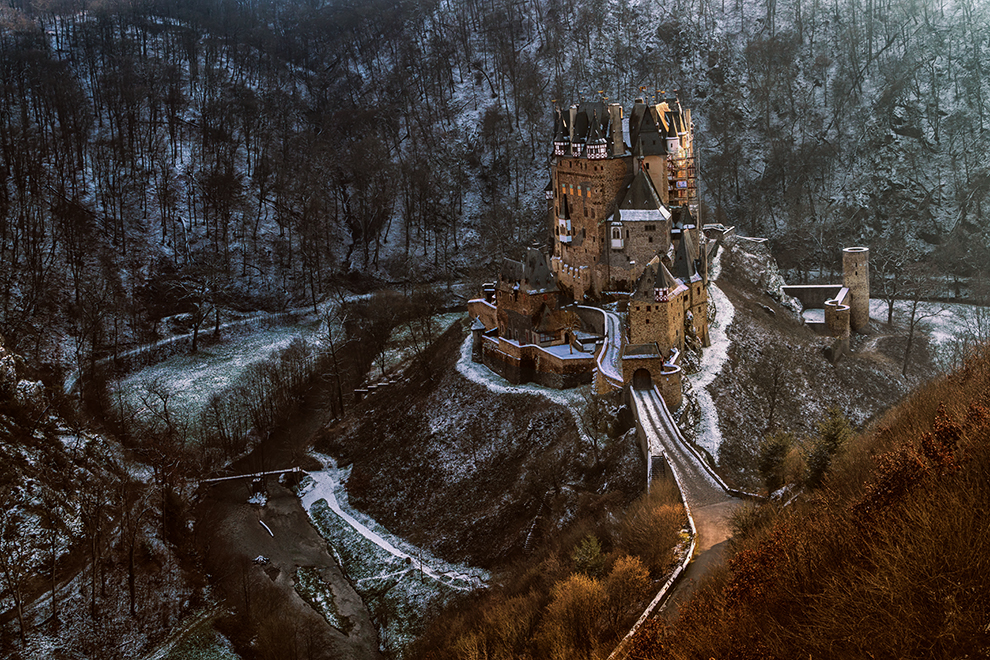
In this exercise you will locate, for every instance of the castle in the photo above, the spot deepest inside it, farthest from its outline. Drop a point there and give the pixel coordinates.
(622, 209)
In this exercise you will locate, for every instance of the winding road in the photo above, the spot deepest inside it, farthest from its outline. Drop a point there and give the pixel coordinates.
(608, 359)
(708, 502)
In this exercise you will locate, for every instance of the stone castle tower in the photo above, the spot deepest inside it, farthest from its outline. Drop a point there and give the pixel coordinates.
(856, 278)
(621, 187)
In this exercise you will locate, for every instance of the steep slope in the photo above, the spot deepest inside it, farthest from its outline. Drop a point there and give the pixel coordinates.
(91, 546)
(472, 474)
(889, 559)
(775, 358)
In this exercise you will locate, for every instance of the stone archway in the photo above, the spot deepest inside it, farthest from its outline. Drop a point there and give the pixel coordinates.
(642, 379)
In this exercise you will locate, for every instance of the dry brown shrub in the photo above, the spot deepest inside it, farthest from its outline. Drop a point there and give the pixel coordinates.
(570, 626)
(895, 565)
(625, 587)
(652, 526)
(508, 626)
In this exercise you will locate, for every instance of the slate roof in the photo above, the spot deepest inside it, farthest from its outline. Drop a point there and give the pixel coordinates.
(532, 274)
(640, 202)
(655, 276)
(687, 253)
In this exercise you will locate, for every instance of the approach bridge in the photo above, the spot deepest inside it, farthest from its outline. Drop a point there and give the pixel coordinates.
(709, 503)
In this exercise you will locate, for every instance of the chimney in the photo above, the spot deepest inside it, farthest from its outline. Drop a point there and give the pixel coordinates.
(615, 116)
(689, 130)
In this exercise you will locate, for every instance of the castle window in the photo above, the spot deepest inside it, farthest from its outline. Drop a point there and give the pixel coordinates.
(546, 337)
(647, 320)
(647, 308)
(650, 227)
(651, 239)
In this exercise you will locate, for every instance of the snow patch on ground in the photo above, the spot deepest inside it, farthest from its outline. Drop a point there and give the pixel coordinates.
(191, 379)
(398, 581)
(328, 486)
(708, 435)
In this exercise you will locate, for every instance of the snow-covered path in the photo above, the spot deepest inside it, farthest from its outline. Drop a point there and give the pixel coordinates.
(695, 480)
(327, 487)
(608, 359)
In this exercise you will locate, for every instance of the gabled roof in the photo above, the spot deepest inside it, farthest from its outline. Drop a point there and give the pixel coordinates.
(641, 203)
(647, 138)
(549, 320)
(511, 271)
(532, 274)
(591, 121)
(595, 134)
(561, 133)
(536, 272)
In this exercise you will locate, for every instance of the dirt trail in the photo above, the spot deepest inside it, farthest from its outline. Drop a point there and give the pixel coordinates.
(714, 532)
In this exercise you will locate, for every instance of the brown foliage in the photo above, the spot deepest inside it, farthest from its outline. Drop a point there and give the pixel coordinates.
(887, 562)
(548, 608)
(652, 524)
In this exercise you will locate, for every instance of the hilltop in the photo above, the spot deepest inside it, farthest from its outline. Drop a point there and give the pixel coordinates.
(473, 474)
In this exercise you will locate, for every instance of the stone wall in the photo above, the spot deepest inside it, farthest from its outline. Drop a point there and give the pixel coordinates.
(591, 188)
(699, 309)
(576, 279)
(484, 310)
(660, 322)
(665, 377)
(812, 296)
(530, 364)
(837, 318)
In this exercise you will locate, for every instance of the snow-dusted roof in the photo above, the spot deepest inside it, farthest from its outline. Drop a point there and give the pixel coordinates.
(644, 215)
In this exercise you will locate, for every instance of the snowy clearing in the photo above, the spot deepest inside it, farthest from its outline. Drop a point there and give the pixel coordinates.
(192, 379)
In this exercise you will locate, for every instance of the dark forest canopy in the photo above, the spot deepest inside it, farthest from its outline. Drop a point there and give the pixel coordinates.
(158, 155)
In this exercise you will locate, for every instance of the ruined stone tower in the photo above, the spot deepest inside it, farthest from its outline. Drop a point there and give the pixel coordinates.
(856, 277)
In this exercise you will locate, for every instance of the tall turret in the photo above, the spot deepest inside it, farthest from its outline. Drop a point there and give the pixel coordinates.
(856, 278)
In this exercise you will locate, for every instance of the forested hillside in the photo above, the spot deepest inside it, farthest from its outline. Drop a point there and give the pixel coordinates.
(159, 157)
(887, 558)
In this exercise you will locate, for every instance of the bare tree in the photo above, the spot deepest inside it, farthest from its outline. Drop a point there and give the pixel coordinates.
(920, 285)
(889, 263)
(15, 555)
(772, 379)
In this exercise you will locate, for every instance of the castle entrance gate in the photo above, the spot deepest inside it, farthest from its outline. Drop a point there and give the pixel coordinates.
(642, 379)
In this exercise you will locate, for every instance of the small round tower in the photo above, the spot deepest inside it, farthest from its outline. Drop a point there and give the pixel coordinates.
(856, 278)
